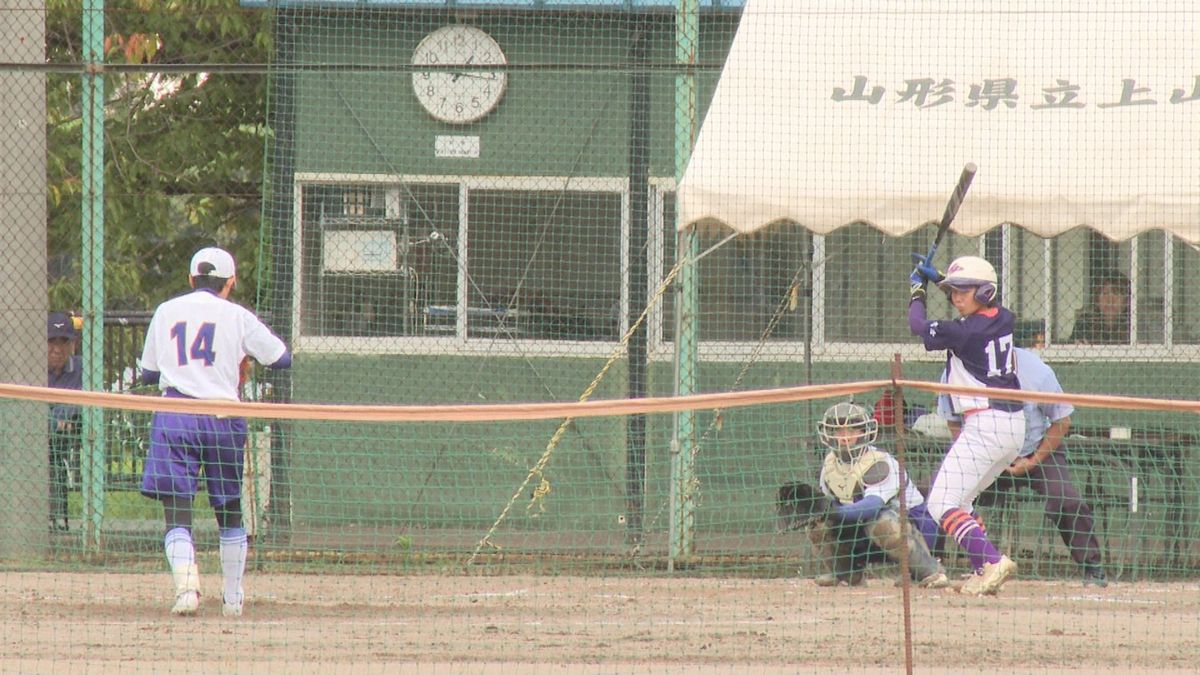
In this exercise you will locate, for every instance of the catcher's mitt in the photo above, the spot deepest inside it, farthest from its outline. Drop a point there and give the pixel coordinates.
(798, 505)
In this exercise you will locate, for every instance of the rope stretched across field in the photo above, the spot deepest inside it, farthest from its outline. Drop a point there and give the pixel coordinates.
(490, 412)
(493, 412)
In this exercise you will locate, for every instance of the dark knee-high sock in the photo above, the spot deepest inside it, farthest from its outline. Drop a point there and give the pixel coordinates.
(970, 536)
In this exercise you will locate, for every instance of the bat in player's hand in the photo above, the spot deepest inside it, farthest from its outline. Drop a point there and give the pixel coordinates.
(956, 199)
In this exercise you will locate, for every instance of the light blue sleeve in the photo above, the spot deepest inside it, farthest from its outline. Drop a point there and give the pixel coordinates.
(1035, 375)
(1054, 411)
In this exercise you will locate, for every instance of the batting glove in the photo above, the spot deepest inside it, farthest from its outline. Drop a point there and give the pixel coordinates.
(917, 290)
(925, 270)
(917, 285)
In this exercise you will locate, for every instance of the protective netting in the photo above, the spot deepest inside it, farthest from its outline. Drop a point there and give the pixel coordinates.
(472, 203)
(1116, 508)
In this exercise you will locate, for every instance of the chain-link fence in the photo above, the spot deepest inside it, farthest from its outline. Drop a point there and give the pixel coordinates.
(444, 203)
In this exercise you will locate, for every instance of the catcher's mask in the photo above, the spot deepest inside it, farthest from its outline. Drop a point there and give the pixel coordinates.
(848, 430)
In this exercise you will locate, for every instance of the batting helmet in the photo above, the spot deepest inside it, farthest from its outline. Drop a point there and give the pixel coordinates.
(847, 416)
(972, 271)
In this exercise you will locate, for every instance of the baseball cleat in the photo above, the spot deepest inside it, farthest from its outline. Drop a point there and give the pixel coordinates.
(186, 603)
(231, 608)
(1094, 576)
(187, 590)
(935, 580)
(991, 577)
(831, 580)
(973, 585)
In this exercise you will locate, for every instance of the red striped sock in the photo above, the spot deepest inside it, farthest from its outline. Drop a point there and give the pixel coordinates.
(970, 535)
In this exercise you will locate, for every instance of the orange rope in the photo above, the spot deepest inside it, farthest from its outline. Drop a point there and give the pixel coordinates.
(437, 413)
(538, 411)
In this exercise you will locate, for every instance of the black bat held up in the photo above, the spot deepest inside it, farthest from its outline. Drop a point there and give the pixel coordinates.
(956, 200)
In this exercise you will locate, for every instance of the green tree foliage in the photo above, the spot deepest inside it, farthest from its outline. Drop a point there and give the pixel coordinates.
(183, 149)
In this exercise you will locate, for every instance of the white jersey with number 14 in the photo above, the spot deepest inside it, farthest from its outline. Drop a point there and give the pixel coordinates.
(197, 341)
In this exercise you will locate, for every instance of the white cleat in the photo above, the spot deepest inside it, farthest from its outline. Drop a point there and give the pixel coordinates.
(826, 580)
(935, 580)
(991, 577)
(186, 603)
(231, 609)
(187, 590)
(232, 606)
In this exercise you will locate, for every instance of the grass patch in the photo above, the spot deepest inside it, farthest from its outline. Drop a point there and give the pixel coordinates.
(129, 505)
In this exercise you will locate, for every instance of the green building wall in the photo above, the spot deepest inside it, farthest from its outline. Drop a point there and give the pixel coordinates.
(458, 477)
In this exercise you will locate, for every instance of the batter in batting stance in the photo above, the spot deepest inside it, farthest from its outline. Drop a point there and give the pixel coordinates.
(979, 346)
(1043, 468)
(864, 520)
(194, 348)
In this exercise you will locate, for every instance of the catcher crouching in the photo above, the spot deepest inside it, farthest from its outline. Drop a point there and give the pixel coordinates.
(854, 519)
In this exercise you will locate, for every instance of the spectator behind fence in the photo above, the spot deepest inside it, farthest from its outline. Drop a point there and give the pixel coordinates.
(1106, 320)
(64, 371)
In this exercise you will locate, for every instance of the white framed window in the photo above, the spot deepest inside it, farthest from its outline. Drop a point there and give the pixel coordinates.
(538, 265)
(489, 265)
(853, 285)
(1090, 297)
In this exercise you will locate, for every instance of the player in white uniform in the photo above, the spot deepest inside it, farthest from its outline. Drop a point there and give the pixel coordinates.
(194, 348)
(979, 353)
(863, 521)
(1043, 467)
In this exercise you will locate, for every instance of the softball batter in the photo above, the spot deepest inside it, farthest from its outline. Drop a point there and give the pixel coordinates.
(979, 346)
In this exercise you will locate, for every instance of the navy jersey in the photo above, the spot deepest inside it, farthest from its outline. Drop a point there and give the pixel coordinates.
(980, 353)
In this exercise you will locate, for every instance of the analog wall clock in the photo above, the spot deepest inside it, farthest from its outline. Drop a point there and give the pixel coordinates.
(459, 96)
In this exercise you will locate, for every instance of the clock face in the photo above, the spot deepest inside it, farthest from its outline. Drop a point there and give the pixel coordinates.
(459, 96)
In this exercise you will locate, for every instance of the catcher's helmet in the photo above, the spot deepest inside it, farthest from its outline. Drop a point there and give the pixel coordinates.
(971, 271)
(851, 416)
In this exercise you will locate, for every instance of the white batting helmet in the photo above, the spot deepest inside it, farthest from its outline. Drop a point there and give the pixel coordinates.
(971, 271)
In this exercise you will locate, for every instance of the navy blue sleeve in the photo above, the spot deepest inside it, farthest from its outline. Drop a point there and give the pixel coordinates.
(934, 334)
(284, 361)
(862, 510)
(917, 322)
(150, 376)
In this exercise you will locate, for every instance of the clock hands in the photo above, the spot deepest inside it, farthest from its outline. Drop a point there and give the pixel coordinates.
(460, 82)
(465, 63)
(474, 75)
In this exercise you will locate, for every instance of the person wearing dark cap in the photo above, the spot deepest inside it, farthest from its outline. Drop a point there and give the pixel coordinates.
(64, 371)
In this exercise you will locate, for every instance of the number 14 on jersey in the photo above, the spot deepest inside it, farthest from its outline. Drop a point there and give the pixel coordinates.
(201, 348)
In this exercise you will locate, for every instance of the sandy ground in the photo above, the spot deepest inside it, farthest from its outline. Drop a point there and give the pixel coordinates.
(74, 622)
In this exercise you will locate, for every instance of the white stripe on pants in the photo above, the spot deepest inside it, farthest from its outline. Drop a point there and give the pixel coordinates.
(986, 446)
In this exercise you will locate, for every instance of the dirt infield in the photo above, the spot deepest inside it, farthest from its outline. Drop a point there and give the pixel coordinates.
(305, 623)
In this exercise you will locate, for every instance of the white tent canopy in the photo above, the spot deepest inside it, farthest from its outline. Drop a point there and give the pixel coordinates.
(1076, 112)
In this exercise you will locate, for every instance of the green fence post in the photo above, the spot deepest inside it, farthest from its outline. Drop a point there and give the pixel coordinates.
(683, 444)
(92, 172)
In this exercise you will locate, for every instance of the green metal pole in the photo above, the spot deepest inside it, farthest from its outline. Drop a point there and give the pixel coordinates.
(92, 173)
(683, 443)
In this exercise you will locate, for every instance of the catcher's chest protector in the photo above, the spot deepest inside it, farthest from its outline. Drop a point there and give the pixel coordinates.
(846, 481)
